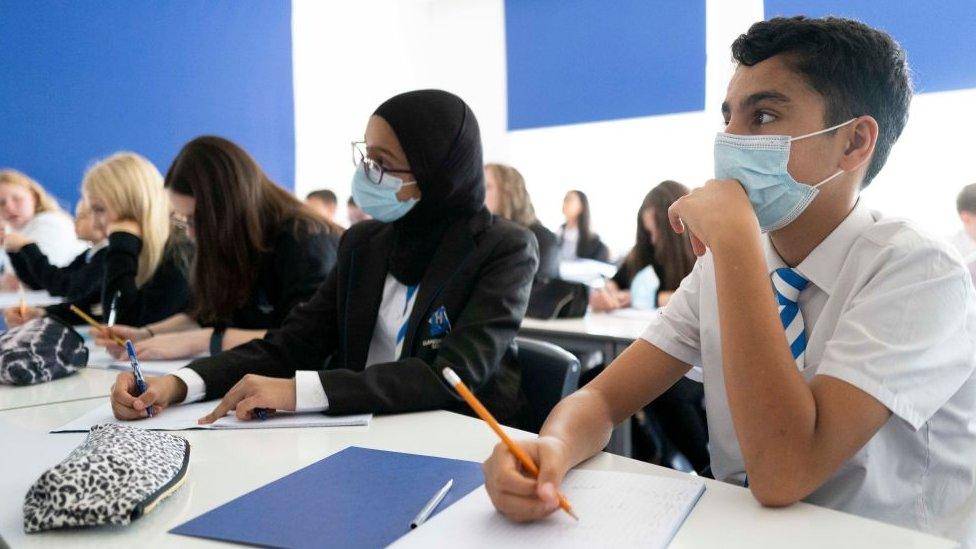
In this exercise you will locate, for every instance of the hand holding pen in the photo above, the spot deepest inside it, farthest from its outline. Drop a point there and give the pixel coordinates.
(137, 372)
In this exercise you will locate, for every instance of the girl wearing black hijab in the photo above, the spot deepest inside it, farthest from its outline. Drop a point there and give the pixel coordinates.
(434, 280)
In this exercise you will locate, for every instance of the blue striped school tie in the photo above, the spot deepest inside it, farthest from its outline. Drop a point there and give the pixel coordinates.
(787, 284)
(402, 332)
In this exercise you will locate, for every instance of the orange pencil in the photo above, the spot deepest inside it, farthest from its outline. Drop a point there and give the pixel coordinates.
(94, 324)
(526, 461)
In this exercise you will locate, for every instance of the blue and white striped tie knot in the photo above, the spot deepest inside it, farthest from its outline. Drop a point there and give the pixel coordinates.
(787, 284)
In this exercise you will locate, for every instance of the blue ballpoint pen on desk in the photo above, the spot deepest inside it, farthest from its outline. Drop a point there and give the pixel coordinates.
(137, 371)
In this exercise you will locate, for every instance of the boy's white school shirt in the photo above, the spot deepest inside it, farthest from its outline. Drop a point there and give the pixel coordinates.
(892, 312)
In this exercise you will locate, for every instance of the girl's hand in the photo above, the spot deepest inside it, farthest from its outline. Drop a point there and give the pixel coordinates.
(252, 392)
(173, 345)
(13, 242)
(104, 338)
(160, 392)
(13, 317)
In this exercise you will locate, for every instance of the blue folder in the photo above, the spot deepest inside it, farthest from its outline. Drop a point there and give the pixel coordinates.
(355, 498)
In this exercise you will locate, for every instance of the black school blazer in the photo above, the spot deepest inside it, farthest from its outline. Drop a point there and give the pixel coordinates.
(481, 275)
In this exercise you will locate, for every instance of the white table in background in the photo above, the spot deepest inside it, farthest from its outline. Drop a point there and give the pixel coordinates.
(606, 333)
(228, 464)
(609, 333)
(88, 383)
(32, 298)
(92, 382)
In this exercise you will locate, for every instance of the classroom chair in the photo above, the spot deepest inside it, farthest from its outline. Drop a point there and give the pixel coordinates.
(549, 373)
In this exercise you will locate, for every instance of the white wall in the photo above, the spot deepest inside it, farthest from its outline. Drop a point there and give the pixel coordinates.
(349, 57)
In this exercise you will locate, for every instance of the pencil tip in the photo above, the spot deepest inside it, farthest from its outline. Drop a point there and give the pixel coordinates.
(572, 514)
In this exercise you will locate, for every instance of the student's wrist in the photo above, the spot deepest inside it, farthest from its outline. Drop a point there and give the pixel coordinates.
(174, 389)
(735, 240)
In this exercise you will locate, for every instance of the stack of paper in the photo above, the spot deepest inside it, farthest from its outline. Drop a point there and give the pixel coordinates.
(615, 510)
(184, 417)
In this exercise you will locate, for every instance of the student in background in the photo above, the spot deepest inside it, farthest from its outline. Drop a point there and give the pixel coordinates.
(259, 253)
(323, 202)
(837, 348)
(355, 213)
(667, 253)
(506, 196)
(80, 278)
(26, 208)
(435, 280)
(576, 239)
(965, 239)
(144, 273)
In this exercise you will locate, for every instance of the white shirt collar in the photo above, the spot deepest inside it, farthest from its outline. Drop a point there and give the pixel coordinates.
(823, 264)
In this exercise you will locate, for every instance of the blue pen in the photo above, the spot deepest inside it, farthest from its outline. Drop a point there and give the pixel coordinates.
(260, 413)
(137, 371)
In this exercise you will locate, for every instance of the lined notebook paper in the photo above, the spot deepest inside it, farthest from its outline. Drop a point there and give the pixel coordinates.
(615, 510)
(152, 367)
(184, 417)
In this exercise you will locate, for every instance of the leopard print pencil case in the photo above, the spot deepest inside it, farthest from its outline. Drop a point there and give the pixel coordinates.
(117, 475)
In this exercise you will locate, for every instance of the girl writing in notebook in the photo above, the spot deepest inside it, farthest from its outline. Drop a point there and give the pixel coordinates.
(433, 280)
(259, 252)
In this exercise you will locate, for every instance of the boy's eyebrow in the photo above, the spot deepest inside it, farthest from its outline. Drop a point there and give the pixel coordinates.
(766, 95)
(752, 99)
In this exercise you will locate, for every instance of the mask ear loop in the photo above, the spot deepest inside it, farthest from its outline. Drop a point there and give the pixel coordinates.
(832, 128)
(817, 186)
(841, 125)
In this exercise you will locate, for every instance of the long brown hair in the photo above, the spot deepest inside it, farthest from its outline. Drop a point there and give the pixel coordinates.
(583, 222)
(671, 255)
(237, 213)
(514, 204)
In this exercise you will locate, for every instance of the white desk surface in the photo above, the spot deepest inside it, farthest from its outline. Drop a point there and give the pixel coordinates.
(225, 465)
(88, 383)
(593, 325)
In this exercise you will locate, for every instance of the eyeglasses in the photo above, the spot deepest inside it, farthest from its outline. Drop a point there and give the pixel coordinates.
(374, 170)
(182, 222)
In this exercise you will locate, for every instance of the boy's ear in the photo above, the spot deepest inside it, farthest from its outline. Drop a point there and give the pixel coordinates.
(863, 136)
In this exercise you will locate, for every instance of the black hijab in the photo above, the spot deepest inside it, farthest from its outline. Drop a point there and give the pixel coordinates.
(440, 136)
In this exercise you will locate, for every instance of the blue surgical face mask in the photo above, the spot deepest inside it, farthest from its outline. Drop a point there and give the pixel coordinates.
(380, 200)
(759, 162)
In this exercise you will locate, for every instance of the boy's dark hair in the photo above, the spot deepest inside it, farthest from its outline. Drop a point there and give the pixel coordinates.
(966, 201)
(858, 70)
(325, 195)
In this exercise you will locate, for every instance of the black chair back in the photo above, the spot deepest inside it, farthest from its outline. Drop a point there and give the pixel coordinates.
(549, 373)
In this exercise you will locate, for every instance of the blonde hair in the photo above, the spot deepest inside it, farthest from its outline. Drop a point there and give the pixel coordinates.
(132, 188)
(514, 203)
(43, 202)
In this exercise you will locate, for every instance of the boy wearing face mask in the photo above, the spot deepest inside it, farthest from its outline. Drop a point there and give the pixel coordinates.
(835, 346)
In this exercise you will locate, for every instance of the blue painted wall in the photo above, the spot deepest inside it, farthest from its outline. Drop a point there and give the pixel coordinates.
(84, 79)
(939, 36)
(572, 61)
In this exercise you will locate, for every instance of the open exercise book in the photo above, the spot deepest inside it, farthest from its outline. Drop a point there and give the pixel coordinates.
(615, 510)
(184, 417)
